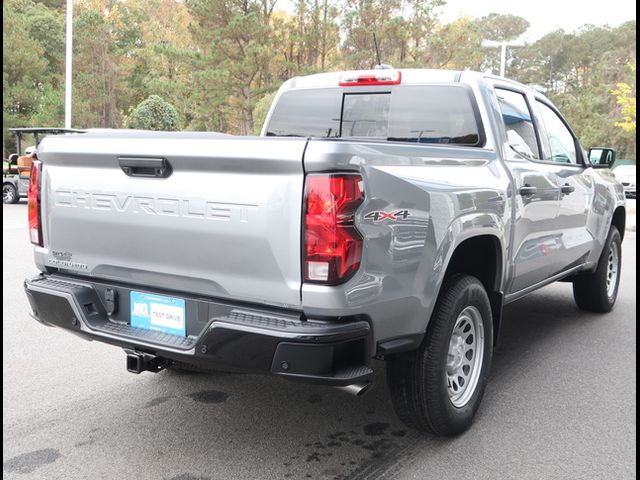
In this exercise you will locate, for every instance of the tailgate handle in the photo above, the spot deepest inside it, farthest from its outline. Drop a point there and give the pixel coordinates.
(145, 167)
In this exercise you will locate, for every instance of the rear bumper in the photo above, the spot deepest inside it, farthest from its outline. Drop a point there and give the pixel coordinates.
(219, 334)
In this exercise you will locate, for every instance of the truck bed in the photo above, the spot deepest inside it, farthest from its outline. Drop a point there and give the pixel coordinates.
(223, 221)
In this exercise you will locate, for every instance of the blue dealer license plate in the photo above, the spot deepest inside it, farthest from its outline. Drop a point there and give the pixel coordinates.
(157, 312)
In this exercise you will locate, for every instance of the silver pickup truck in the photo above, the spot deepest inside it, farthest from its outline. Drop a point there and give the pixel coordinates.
(382, 214)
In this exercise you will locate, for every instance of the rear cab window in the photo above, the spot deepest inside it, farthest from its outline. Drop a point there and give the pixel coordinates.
(429, 114)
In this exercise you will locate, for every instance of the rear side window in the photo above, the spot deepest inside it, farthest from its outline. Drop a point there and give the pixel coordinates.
(440, 114)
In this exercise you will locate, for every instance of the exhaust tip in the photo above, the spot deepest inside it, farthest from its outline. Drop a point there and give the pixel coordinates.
(356, 389)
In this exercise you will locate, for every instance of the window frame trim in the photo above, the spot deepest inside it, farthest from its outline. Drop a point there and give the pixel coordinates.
(534, 120)
(580, 161)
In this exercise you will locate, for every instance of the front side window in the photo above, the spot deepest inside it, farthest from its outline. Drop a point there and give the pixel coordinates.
(561, 141)
(519, 129)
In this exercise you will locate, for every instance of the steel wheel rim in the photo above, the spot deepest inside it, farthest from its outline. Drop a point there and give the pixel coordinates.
(465, 355)
(613, 266)
(7, 193)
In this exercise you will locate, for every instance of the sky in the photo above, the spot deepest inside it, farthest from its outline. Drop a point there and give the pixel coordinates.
(546, 15)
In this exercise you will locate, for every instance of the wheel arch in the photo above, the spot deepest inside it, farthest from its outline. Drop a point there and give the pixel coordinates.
(619, 219)
(482, 256)
(10, 181)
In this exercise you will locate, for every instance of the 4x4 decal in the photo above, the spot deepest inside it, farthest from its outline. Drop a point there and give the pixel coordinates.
(380, 216)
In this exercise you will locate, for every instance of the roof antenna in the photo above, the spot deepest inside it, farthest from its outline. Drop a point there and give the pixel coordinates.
(375, 43)
(379, 65)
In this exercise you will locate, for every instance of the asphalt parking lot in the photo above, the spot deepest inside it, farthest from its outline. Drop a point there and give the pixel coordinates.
(561, 405)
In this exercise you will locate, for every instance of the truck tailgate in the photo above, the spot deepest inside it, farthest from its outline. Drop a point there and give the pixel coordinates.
(224, 223)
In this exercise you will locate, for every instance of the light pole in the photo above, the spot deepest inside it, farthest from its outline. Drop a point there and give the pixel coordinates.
(68, 66)
(503, 51)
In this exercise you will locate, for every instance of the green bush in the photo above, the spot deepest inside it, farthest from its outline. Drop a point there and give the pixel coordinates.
(153, 114)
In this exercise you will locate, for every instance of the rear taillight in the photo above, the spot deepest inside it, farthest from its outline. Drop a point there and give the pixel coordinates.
(33, 205)
(332, 245)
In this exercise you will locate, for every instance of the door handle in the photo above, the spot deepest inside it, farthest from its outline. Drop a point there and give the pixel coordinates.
(566, 189)
(527, 190)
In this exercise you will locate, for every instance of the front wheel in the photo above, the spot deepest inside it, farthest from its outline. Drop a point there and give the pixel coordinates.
(598, 291)
(438, 387)
(9, 193)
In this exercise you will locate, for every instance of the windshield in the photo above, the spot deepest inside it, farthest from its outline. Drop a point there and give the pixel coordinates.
(439, 114)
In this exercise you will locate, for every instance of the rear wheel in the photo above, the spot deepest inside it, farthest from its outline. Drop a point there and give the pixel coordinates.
(9, 193)
(598, 291)
(438, 387)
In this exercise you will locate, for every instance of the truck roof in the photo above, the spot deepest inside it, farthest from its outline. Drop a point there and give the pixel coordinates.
(410, 76)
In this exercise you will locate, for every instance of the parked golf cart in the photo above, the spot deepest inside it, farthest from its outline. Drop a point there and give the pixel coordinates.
(17, 168)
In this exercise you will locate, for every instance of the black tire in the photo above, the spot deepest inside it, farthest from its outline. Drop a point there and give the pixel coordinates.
(591, 290)
(10, 193)
(417, 380)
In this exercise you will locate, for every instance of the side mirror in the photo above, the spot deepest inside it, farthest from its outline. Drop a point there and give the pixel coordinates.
(602, 157)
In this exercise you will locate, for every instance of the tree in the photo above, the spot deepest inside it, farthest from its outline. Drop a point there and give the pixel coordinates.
(456, 46)
(578, 71)
(153, 114)
(32, 42)
(311, 34)
(502, 28)
(626, 98)
(160, 59)
(236, 48)
(95, 82)
(421, 26)
(261, 110)
(361, 19)
(219, 62)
